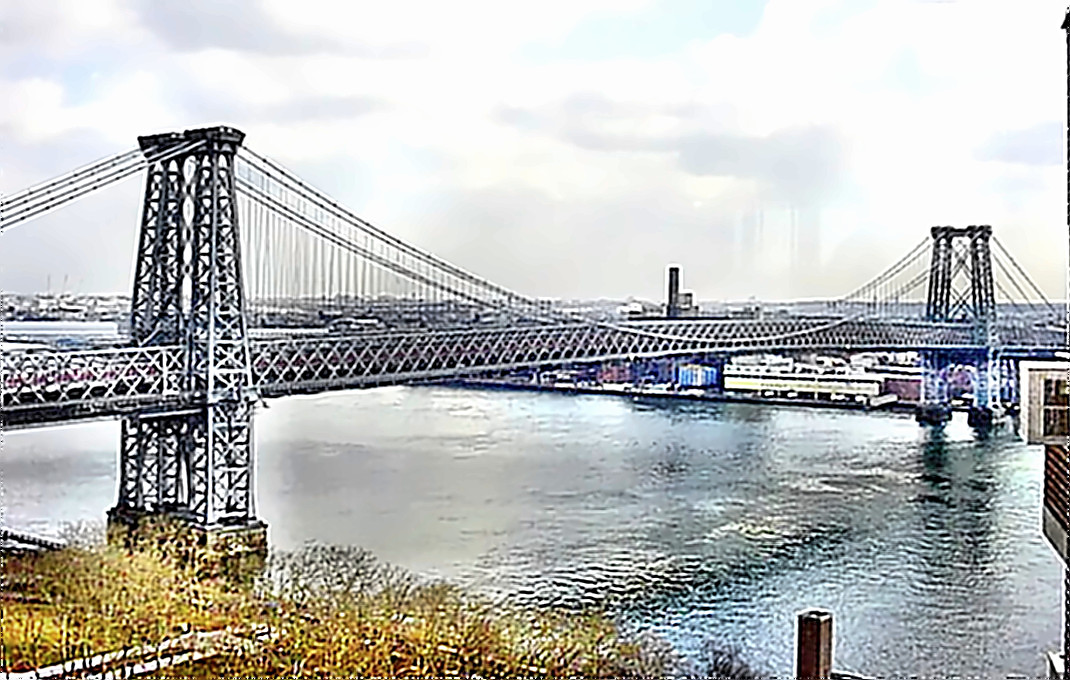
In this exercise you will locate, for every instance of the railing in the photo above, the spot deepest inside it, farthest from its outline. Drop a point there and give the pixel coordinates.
(7, 537)
(149, 659)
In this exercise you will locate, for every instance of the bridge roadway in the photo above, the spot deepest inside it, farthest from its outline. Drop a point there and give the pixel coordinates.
(49, 387)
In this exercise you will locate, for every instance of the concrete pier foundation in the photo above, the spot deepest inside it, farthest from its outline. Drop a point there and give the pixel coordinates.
(933, 414)
(236, 552)
(981, 418)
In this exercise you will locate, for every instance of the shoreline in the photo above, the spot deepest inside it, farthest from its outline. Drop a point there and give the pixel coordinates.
(491, 384)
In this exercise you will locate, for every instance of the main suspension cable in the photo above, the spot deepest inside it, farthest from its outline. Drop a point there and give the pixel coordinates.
(30, 193)
(1026, 276)
(106, 175)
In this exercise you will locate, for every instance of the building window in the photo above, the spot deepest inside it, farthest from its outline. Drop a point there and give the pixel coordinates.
(1056, 413)
(1055, 392)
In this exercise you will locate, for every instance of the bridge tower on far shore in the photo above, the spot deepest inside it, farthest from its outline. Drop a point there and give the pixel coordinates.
(962, 289)
(193, 458)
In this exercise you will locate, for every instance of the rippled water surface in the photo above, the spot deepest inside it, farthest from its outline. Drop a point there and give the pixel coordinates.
(694, 520)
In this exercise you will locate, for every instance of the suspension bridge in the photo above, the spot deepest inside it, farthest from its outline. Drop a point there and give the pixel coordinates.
(235, 252)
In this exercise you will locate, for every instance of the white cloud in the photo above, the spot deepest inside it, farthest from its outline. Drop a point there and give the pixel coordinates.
(465, 29)
(912, 89)
(34, 109)
(37, 110)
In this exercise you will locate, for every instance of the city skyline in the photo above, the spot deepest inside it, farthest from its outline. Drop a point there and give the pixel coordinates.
(576, 151)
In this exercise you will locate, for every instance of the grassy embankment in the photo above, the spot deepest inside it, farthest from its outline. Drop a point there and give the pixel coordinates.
(334, 612)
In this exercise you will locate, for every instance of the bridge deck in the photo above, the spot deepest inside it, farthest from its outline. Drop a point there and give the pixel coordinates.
(56, 386)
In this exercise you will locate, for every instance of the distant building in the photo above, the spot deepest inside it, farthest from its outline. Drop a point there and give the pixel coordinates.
(638, 310)
(865, 361)
(615, 373)
(685, 303)
(771, 362)
(694, 375)
(907, 388)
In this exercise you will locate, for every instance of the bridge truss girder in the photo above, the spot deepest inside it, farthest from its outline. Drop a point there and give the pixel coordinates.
(323, 363)
(66, 385)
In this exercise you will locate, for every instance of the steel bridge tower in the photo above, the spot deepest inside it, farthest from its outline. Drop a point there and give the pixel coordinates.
(192, 460)
(962, 289)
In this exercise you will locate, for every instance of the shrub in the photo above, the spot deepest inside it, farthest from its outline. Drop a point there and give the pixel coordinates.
(85, 600)
(334, 612)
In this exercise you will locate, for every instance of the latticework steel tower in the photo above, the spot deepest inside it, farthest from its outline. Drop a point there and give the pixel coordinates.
(962, 289)
(193, 460)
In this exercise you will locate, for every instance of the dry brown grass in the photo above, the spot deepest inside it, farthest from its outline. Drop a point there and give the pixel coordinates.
(85, 601)
(336, 612)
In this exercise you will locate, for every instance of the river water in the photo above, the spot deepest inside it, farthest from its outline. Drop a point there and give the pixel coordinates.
(693, 520)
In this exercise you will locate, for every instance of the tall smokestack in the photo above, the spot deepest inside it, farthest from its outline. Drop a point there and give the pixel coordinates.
(672, 309)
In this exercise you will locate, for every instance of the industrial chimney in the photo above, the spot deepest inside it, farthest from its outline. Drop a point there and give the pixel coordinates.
(672, 308)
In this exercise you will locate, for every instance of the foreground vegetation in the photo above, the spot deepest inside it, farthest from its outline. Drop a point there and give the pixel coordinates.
(331, 612)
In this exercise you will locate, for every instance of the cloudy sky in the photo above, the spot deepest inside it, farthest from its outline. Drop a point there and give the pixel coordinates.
(786, 148)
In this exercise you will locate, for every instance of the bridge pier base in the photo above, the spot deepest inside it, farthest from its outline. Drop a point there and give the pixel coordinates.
(235, 552)
(933, 414)
(981, 418)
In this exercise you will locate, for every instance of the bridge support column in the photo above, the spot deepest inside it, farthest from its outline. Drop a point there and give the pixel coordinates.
(981, 418)
(935, 406)
(986, 392)
(718, 363)
(192, 463)
(153, 463)
(933, 414)
(1008, 392)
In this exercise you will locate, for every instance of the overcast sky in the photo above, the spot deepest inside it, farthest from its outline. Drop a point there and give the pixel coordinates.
(567, 147)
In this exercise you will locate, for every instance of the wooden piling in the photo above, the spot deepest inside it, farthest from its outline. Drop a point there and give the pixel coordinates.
(813, 646)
